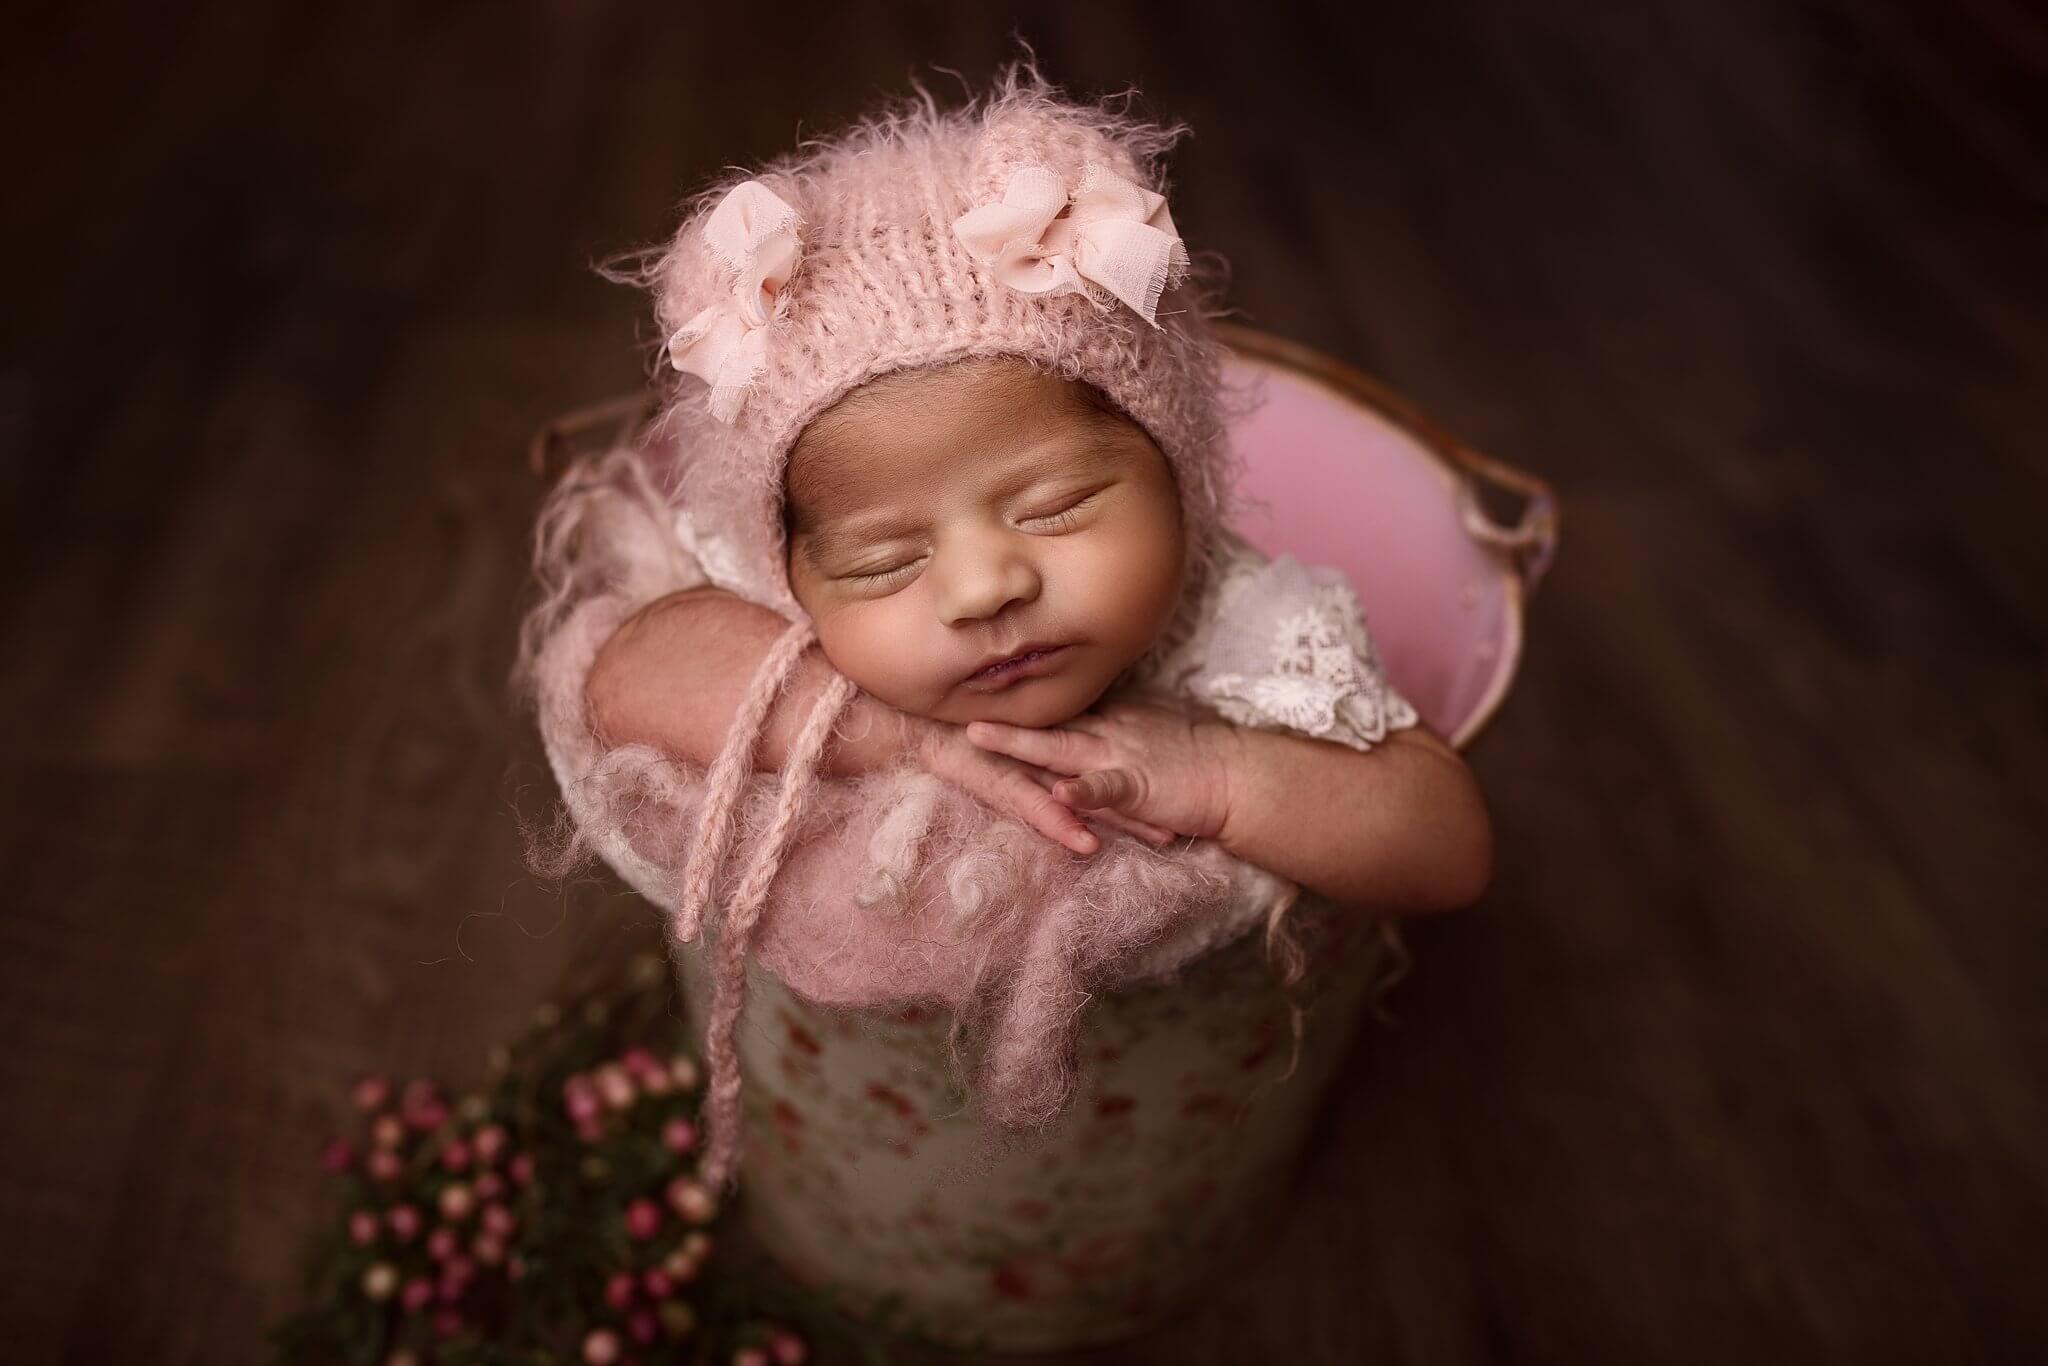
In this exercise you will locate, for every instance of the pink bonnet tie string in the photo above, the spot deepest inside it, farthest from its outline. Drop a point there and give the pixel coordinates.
(736, 930)
(727, 778)
(724, 782)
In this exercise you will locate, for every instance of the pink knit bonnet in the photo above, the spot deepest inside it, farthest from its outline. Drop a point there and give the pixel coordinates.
(1021, 225)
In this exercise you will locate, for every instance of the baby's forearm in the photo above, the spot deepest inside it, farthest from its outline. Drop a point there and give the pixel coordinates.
(1398, 829)
(674, 674)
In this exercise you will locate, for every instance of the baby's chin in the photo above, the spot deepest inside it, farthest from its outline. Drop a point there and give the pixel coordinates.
(1034, 702)
(1049, 700)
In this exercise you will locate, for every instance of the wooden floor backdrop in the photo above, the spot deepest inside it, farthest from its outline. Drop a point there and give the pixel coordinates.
(1742, 1060)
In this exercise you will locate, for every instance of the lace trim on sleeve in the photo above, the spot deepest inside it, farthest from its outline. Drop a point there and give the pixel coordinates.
(1290, 650)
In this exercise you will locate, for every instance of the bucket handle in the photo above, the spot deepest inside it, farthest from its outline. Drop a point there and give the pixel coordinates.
(1528, 544)
(1530, 541)
(553, 446)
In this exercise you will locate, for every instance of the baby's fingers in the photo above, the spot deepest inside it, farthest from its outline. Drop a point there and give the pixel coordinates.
(1111, 787)
(1117, 820)
(1049, 817)
(1062, 751)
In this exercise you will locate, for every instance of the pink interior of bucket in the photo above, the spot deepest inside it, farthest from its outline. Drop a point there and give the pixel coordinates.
(1342, 485)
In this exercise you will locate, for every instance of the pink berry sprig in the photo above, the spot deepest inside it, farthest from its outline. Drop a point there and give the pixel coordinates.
(459, 1216)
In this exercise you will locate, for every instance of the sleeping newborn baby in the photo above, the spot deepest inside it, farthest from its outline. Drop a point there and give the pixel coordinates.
(1062, 729)
(1031, 599)
(1027, 605)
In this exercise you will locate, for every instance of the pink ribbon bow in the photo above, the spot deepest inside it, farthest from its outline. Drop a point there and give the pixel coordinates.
(752, 232)
(1039, 240)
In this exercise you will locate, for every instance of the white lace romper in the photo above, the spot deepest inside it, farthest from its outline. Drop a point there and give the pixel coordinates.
(1280, 645)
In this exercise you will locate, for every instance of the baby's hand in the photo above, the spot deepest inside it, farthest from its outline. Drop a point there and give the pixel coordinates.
(1021, 789)
(1145, 757)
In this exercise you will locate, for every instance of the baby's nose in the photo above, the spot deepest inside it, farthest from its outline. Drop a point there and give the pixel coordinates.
(976, 588)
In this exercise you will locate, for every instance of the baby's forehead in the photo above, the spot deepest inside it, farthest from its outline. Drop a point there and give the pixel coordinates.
(833, 459)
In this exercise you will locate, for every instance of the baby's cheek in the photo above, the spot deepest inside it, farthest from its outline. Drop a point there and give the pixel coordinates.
(1129, 583)
(861, 644)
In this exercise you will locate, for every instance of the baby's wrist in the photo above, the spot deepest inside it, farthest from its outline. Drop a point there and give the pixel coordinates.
(1235, 764)
(874, 735)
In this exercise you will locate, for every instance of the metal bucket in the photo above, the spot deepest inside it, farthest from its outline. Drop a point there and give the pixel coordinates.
(860, 1171)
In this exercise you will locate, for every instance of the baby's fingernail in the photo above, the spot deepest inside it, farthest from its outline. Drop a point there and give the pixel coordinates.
(1086, 843)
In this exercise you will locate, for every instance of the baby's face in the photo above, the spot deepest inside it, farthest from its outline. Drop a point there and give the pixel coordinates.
(942, 519)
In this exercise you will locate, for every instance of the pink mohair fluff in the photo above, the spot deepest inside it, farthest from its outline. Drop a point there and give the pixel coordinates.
(890, 889)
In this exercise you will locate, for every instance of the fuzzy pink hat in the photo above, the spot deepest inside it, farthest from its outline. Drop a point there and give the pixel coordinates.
(1022, 225)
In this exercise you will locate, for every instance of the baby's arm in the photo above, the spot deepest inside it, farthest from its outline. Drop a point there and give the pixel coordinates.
(1399, 828)
(674, 674)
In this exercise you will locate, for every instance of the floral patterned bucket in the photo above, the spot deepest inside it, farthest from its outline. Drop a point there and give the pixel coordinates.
(860, 1171)
(861, 1147)
(861, 1175)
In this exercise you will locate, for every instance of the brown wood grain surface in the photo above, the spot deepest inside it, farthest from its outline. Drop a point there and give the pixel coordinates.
(1743, 1059)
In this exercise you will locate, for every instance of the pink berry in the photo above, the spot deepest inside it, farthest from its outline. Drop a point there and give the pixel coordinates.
(643, 1328)
(489, 1186)
(417, 1294)
(384, 1165)
(422, 1106)
(678, 1135)
(404, 1222)
(457, 1202)
(447, 1322)
(580, 1100)
(490, 1143)
(696, 1245)
(657, 1284)
(458, 1268)
(590, 1130)
(455, 1155)
(515, 1268)
(488, 1249)
(380, 1281)
(692, 1199)
(338, 1156)
(751, 1356)
(499, 1222)
(616, 1086)
(404, 1356)
(520, 1169)
(387, 1131)
(643, 1219)
(371, 1093)
(787, 1348)
(640, 1062)
(602, 1347)
(656, 1083)
(683, 1071)
(362, 1227)
(441, 1243)
(619, 1290)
